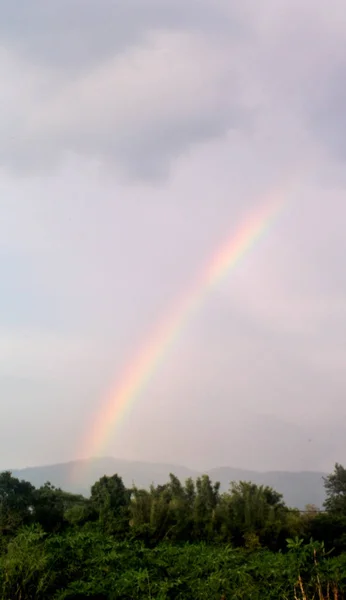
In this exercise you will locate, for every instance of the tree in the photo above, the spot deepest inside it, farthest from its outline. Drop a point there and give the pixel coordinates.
(24, 568)
(249, 510)
(335, 486)
(110, 499)
(204, 511)
(52, 505)
(16, 503)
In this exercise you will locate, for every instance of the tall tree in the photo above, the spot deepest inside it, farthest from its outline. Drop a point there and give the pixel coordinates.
(206, 501)
(335, 486)
(110, 499)
(16, 502)
(250, 510)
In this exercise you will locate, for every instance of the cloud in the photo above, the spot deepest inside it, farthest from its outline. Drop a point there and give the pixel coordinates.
(328, 114)
(76, 35)
(31, 353)
(133, 87)
(298, 60)
(231, 100)
(140, 93)
(138, 110)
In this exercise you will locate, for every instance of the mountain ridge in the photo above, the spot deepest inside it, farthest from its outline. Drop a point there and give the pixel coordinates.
(299, 488)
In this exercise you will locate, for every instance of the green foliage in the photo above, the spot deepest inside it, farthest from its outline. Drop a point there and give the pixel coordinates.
(110, 500)
(335, 486)
(174, 541)
(330, 528)
(54, 509)
(16, 503)
(24, 568)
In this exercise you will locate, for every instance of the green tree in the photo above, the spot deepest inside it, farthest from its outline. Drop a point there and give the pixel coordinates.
(52, 505)
(206, 500)
(329, 528)
(16, 503)
(24, 567)
(140, 514)
(335, 486)
(110, 499)
(249, 510)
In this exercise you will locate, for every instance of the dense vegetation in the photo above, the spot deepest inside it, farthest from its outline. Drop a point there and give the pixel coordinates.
(183, 541)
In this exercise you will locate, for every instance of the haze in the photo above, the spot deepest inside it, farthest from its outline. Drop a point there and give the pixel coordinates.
(134, 137)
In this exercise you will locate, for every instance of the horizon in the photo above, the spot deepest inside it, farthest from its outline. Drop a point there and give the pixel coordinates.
(163, 464)
(298, 488)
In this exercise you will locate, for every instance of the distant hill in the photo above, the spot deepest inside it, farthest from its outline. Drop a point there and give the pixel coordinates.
(78, 476)
(298, 488)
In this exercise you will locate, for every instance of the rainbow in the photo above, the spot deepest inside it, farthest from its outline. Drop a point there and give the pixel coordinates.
(142, 368)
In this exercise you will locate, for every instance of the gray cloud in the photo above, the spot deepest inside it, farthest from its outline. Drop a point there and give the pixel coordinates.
(135, 86)
(235, 110)
(299, 53)
(77, 34)
(135, 111)
(327, 115)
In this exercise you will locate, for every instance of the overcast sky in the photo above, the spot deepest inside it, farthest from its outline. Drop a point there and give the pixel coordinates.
(134, 136)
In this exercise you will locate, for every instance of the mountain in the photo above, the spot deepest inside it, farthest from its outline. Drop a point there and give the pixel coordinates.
(78, 476)
(298, 488)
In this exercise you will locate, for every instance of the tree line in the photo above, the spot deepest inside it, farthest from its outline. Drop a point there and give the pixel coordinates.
(140, 543)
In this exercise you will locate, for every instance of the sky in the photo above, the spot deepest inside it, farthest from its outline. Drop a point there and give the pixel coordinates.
(134, 137)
